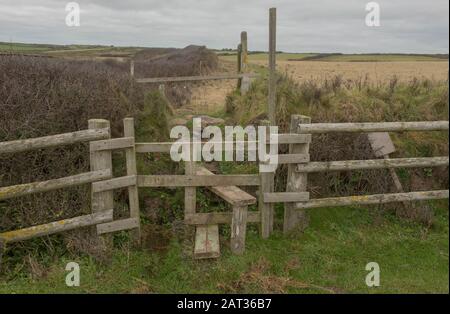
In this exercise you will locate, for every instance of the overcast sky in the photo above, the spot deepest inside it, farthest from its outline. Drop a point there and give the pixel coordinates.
(408, 26)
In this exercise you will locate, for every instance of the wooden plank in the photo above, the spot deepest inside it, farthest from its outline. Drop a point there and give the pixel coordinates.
(132, 68)
(54, 140)
(195, 78)
(286, 197)
(381, 143)
(238, 229)
(207, 242)
(190, 193)
(291, 159)
(118, 225)
(164, 147)
(374, 127)
(111, 144)
(133, 194)
(113, 184)
(54, 184)
(57, 227)
(267, 184)
(294, 138)
(101, 201)
(219, 218)
(244, 52)
(197, 181)
(374, 199)
(373, 164)
(296, 182)
(231, 194)
(271, 111)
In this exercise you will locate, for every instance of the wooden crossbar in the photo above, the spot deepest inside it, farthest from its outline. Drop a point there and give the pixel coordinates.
(196, 181)
(55, 184)
(53, 140)
(195, 78)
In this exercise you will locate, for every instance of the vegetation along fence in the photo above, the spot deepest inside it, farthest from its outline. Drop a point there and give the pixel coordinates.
(226, 187)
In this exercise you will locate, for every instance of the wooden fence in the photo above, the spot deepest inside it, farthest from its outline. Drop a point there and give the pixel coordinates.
(295, 197)
(101, 145)
(242, 75)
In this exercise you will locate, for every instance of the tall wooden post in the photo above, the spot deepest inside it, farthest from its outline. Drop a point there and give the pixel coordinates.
(239, 64)
(296, 181)
(102, 201)
(132, 68)
(267, 185)
(244, 52)
(272, 65)
(130, 153)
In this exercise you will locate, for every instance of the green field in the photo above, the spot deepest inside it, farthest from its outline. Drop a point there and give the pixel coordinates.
(69, 50)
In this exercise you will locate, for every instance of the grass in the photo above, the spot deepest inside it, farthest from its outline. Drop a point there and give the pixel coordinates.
(330, 257)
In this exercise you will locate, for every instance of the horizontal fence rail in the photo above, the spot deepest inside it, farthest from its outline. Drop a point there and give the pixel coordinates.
(54, 184)
(194, 78)
(56, 227)
(373, 127)
(374, 199)
(373, 164)
(197, 180)
(112, 144)
(53, 140)
(164, 147)
(218, 218)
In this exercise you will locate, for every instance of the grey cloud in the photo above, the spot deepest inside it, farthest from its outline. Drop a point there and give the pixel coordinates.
(308, 25)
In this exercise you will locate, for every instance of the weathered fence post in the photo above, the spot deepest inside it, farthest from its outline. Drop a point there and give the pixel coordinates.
(272, 66)
(296, 181)
(128, 126)
(238, 229)
(244, 52)
(102, 201)
(245, 81)
(266, 186)
(132, 68)
(239, 64)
